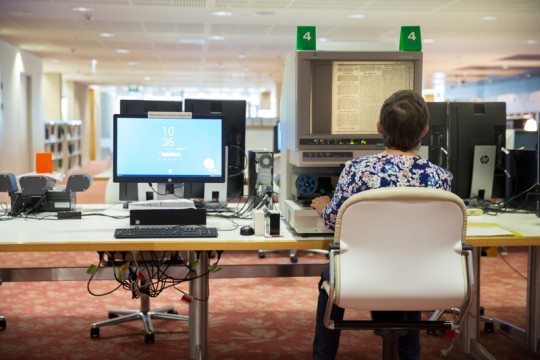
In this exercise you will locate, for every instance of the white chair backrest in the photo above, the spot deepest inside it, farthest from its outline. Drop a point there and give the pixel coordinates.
(401, 250)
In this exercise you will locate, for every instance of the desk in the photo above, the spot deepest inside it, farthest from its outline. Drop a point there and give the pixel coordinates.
(96, 234)
(528, 225)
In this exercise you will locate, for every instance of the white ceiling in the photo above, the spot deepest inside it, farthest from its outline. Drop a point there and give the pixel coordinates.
(180, 43)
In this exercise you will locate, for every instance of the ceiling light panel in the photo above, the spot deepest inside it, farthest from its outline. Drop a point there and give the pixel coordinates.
(191, 47)
(112, 26)
(177, 3)
(325, 4)
(399, 5)
(493, 6)
(236, 29)
(177, 28)
(252, 4)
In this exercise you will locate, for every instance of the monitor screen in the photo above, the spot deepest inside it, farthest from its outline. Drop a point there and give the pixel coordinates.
(168, 150)
(339, 95)
(477, 125)
(234, 136)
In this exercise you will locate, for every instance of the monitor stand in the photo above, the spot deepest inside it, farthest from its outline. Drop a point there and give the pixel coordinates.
(128, 191)
(483, 172)
(213, 191)
(171, 191)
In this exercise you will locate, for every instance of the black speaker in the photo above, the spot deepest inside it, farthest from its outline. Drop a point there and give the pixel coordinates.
(78, 183)
(8, 183)
(261, 171)
(36, 184)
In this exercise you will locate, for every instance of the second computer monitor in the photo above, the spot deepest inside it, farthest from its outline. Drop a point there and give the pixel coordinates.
(436, 139)
(136, 106)
(480, 126)
(234, 132)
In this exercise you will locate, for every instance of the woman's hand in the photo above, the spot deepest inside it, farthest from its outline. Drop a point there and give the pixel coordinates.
(319, 203)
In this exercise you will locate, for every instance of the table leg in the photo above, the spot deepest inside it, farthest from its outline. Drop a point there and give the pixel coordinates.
(198, 310)
(469, 335)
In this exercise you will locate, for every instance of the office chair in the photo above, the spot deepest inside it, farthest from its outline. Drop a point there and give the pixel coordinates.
(3, 323)
(147, 263)
(400, 249)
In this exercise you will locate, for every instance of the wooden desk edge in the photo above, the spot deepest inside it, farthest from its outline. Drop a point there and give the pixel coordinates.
(480, 241)
(157, 245)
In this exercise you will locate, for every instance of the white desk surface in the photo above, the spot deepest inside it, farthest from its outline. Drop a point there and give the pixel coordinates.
(525, 226)
(95, 233)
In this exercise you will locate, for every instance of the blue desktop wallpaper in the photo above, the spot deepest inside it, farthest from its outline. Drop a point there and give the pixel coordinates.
(169, 147)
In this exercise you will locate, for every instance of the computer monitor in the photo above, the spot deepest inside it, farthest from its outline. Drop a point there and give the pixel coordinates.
(168, 151)
(134, 107)
(334, 98)
(277, 137)
(234, 133)
(479, 126)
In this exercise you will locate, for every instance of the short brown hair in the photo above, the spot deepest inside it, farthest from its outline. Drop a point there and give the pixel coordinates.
(403, 118)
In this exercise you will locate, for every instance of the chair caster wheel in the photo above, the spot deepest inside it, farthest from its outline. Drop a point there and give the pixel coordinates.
(3, 323)
(294, 259)
(489, 327)
(94, 333)
(174, 312)
(112, 316)
(262, 255)
(149, 338)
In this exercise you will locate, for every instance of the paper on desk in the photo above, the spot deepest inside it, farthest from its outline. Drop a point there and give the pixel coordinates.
(160, 204)
(488, 231)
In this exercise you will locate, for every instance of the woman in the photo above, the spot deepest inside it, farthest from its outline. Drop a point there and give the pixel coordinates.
(403, 121)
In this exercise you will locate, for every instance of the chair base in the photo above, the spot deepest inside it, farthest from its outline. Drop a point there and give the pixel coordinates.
(390, 340)
(292, 254)
(119, 316)
(489, 323)
(391, 331)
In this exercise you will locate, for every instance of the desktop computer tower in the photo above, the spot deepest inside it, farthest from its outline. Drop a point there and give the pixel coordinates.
(261, 171)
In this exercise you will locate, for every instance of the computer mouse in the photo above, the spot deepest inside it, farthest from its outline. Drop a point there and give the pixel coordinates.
(247, 230)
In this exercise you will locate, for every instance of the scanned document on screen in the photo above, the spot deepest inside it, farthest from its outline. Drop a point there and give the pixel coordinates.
(360, 88)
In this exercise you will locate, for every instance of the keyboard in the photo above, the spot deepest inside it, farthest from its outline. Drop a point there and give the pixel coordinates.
(165, 232)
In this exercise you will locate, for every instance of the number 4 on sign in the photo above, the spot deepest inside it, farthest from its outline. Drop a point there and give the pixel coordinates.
(410, 39)
(305, 38)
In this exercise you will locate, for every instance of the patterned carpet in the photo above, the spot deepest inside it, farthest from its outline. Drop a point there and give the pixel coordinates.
(270, 318)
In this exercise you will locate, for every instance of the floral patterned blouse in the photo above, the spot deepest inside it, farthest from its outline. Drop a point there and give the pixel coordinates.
(384, 170)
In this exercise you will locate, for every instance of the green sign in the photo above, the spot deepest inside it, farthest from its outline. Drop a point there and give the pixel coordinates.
(410, 39)
(305, 38)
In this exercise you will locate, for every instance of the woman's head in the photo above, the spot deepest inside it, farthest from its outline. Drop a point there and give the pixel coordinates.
(403, 120)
